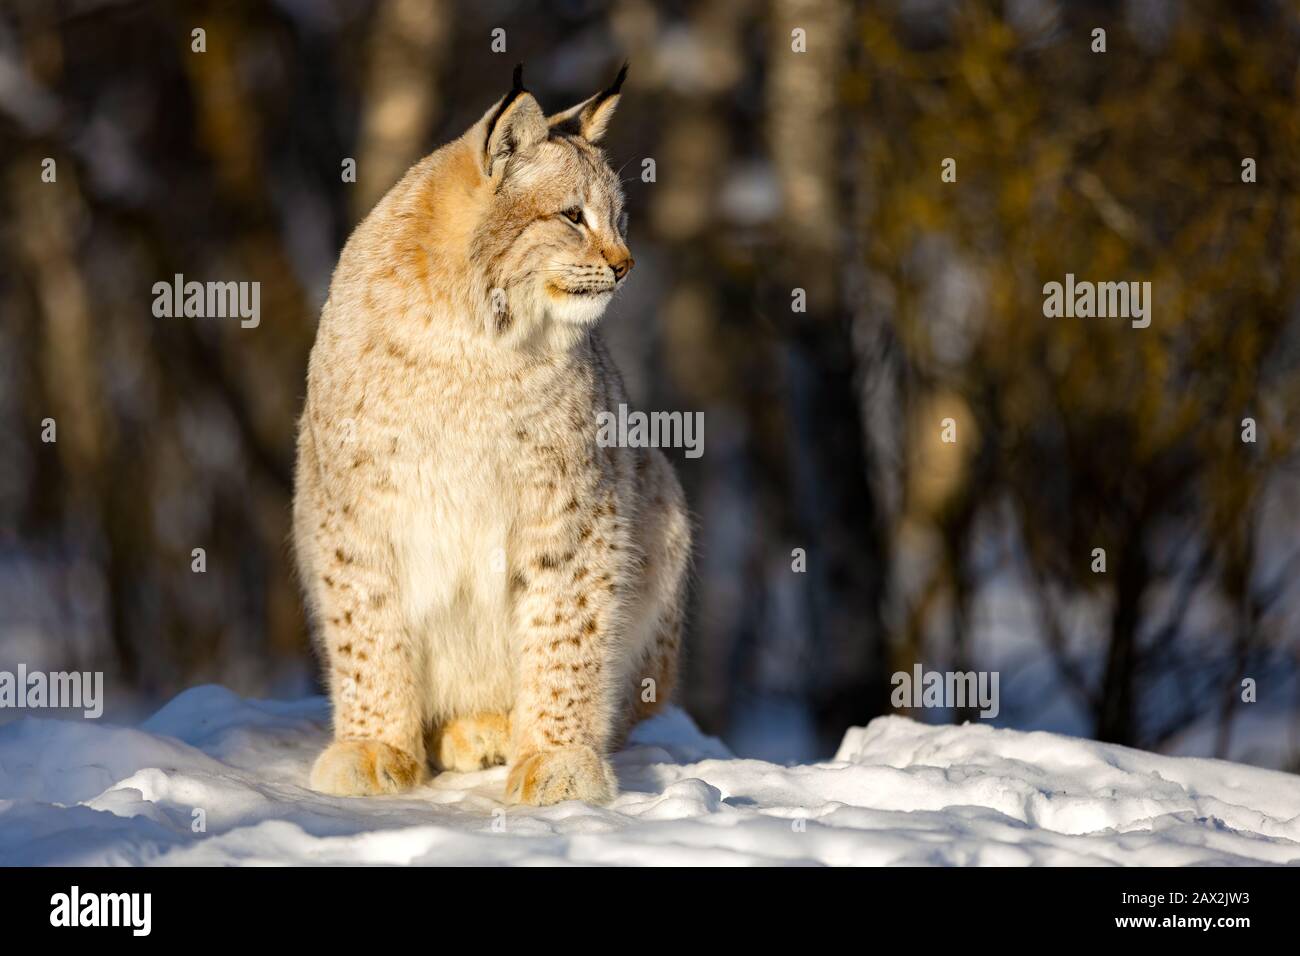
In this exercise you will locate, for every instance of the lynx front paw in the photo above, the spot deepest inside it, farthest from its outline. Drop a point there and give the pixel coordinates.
(465, 744)
(550, 776)
(362, 768)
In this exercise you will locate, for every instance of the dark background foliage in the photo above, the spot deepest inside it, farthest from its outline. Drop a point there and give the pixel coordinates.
(774, 170)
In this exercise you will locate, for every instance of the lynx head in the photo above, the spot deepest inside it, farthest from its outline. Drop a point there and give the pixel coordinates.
(551, 237)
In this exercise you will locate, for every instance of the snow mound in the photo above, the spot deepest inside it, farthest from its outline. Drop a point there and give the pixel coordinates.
(213, 778)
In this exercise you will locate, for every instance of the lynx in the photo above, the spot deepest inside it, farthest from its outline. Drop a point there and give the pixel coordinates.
(488, 584)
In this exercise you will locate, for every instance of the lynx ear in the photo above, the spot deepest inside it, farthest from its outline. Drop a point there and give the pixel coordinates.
(515, 125)
(590, 118)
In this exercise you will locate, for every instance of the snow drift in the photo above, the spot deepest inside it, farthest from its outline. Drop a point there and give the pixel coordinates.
(216, 779)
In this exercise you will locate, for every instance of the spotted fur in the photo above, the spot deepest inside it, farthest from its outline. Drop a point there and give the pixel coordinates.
(487, 584)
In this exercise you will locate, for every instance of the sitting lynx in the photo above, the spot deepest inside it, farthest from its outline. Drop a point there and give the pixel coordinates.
(488, 584)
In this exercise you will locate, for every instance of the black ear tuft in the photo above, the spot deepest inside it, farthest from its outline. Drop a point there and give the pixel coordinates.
(516, 90)
(590, 117)
(514, 126)
(618, 81)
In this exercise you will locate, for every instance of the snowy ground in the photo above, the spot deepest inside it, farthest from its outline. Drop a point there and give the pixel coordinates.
(898, 792)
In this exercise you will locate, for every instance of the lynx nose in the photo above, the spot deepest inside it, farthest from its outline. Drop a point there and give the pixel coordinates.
(622, 267)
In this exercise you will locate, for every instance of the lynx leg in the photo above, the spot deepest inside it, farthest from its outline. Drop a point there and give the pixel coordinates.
(378, 724)
(663, 594)
(657, 677)
(565, 711)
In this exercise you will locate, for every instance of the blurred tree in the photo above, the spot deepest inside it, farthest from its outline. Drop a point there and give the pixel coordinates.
(1115, 167)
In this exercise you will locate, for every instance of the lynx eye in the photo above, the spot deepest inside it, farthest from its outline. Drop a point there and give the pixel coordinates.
(573, 214)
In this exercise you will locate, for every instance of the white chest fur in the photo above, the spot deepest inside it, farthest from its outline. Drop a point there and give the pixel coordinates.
(450, 540)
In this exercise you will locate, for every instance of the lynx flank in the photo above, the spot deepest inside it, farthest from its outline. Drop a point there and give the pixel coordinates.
(487, 584)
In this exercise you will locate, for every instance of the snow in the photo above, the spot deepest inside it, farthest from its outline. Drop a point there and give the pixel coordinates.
(82, 792)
